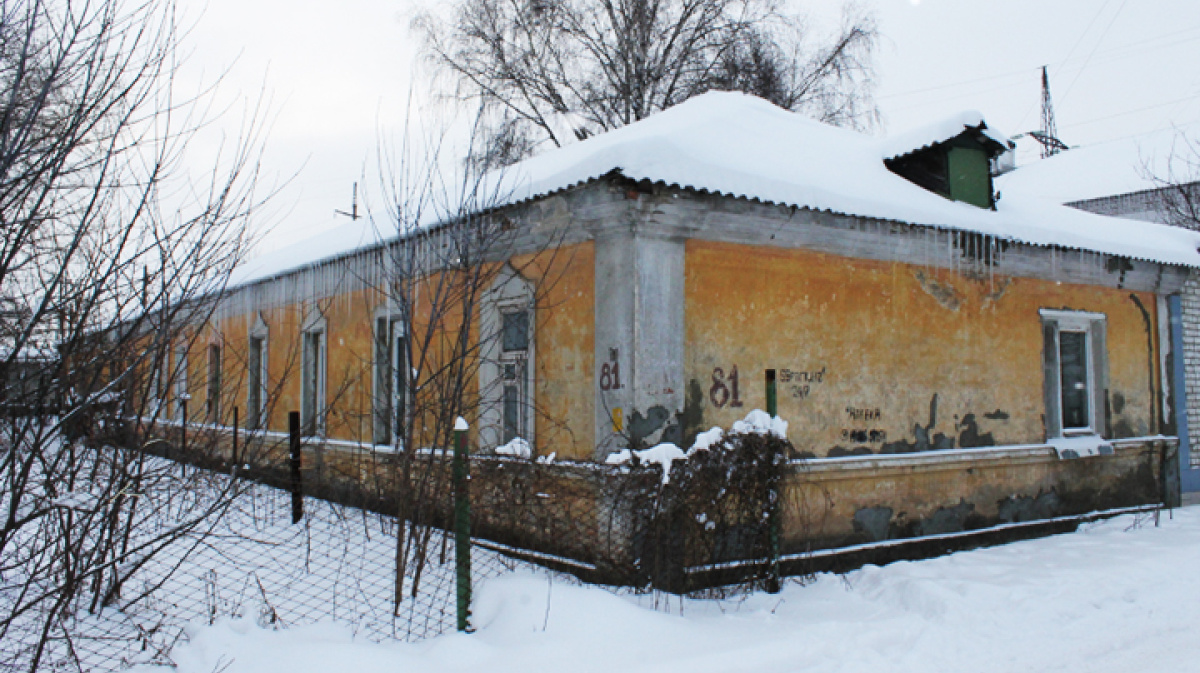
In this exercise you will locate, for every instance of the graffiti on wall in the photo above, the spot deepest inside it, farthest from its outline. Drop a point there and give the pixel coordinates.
(863, 435)
(801, 383)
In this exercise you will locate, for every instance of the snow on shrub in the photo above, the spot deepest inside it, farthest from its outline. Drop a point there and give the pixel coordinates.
(757, 422)
(718, 503)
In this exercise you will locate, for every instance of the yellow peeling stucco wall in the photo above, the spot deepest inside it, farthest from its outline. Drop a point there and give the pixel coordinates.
(564, 280)
(564, 340)
(348, 334)
(872, 356)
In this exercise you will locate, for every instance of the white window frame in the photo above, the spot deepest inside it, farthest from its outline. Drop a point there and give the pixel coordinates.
(1094, 328)
(181, 378)
(519, 359)
(260, 332)
(508, 293)
(213, 384)
(397, 378)
(312, 402)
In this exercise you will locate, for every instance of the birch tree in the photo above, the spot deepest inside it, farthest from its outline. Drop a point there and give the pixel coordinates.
(552, 71)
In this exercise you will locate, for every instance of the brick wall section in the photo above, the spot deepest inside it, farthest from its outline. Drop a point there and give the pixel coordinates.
(1190, 298)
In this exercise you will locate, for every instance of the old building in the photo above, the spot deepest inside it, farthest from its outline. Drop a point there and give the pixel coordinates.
(948, 358)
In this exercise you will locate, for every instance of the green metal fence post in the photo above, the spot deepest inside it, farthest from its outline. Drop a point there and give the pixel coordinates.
(772, 400)
(773, 584)
(462, 525)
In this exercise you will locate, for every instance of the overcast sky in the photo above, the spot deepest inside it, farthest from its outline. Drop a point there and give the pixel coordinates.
(338, 74)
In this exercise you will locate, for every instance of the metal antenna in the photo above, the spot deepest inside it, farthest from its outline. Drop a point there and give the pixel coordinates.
(353, 214)
(1048, 135)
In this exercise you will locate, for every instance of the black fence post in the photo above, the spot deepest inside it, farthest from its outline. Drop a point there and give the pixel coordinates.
(297, 494)
(183, 400)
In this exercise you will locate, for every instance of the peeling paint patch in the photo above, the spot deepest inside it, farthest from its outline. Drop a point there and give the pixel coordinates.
(921, 438)
(1014, 508)
(944, 294)
(969, 435)
(992, 298)
(874, 522)
(947, 519)
(839, 451)
(642, 428)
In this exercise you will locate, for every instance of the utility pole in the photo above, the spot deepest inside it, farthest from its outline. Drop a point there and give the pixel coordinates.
(353, 214)
(1048, 135)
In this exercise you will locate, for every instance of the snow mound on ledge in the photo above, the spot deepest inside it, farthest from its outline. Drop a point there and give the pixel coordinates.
(517, 448)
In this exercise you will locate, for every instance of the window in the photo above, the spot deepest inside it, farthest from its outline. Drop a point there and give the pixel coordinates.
(1075, 364)
(514, 359)
(508, 325)
(158, 379)
(312, 403)
(181, 380)
(257, 370)
(212, 402)
(391, 380)
(256, 382)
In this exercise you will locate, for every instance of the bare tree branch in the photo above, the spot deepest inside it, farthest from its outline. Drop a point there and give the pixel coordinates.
(546, 71)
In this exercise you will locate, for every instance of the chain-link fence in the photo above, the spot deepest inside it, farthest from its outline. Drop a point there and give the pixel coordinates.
(337, 563)
(713, 520)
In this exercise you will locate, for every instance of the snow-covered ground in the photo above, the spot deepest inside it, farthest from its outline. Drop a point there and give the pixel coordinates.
(1119, 595)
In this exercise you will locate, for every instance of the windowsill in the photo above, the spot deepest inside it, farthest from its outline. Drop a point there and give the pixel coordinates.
(1080, 445)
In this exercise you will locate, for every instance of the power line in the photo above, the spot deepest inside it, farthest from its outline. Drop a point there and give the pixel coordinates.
(1134, 111)
(1059, 66)
(1093, 52)
(1070, 53)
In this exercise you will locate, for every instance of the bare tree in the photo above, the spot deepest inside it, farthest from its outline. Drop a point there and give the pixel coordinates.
(1179, 184)
(110, 252)
(550, 71)
(453, 248)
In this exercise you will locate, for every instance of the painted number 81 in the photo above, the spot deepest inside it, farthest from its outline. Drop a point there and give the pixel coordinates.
(610, 376)
(725, 391)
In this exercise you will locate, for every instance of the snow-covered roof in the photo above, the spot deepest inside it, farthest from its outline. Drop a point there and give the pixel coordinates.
(1095, 171)
(741, 146)
(940, 132)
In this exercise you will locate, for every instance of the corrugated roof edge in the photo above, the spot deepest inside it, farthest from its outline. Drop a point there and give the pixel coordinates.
(324, 261)
(937, 227)
(379, 243)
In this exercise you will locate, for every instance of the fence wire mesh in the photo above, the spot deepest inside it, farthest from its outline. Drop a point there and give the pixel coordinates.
(621, 525)
(337, 563)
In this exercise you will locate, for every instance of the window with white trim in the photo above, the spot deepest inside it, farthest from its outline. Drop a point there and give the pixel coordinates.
(181, 379)
(391, 380)
(256, 375)
(506, 371)
(514, 363)
(256, 382)
(212, 401)
(1075, 367)
(312, 376)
